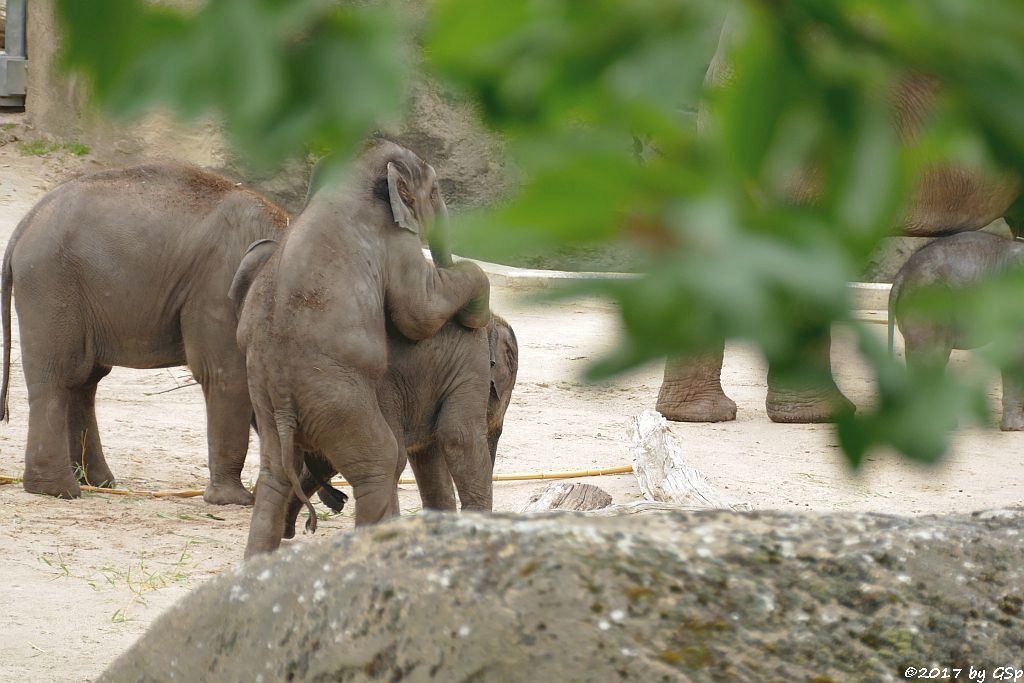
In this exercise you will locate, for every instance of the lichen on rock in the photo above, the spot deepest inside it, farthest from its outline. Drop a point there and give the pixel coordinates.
(662, 596)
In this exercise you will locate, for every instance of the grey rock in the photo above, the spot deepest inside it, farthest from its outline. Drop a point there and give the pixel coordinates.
(562, 597)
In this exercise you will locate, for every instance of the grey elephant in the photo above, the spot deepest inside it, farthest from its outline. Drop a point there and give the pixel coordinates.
(315, 324)
(953, 263)
(129, 267)
(440, 396)
(948, 199)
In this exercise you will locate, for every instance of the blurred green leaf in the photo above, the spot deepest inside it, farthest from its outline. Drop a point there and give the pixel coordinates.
(749, 201)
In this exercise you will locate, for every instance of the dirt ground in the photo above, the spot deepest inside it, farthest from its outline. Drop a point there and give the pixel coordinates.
(81, 580)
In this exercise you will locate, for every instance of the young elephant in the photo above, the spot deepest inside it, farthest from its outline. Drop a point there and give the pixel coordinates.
(954, 262)
(315, 325)
(129, 267)
(444, 398)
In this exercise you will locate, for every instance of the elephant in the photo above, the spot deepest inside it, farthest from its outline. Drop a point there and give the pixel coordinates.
(954, 263)
(948, 199)
(314, 326)
(439, 396)
(129, 267)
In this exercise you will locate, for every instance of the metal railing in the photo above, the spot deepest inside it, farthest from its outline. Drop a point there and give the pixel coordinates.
(14, 57)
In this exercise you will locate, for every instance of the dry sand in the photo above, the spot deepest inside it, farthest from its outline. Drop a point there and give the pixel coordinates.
(81, 580)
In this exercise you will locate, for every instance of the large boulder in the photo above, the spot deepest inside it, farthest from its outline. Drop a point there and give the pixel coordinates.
(564, 597)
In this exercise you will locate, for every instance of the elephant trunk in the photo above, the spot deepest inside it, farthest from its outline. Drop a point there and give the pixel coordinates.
(438, 239)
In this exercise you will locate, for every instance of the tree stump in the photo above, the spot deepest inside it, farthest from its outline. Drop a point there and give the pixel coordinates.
(566, 496)
(663, 475)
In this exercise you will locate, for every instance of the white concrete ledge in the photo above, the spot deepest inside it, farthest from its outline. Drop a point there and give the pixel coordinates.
(867, 296)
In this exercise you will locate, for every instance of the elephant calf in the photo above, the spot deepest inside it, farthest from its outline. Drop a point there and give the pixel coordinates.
(954, 262)
(445, 399)
(129, 267)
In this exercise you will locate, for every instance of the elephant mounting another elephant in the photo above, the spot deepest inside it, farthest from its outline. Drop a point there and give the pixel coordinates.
(315, 323)
(439, 396)
(948, 199)
(130, 267)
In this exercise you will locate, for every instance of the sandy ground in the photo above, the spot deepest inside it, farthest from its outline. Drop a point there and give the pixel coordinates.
(81, 580)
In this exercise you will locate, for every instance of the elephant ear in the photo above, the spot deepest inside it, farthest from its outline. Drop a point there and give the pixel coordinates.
(255, 256)
(401, 200)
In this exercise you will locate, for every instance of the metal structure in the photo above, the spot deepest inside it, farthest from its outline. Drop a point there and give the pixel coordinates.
(14, 58)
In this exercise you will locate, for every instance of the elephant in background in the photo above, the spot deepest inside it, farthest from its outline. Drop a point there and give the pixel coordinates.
(948, 199)
(129, 267)
(439, 396)
(315, 322)
(954, 263)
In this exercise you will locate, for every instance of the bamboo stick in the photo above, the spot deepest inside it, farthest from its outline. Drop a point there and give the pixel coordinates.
(192, 493)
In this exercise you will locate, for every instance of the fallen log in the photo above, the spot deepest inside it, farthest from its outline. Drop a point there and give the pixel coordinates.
(663, 474)
(566, 496)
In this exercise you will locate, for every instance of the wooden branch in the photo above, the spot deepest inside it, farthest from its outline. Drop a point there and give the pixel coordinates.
(565, 496)
(663, 474)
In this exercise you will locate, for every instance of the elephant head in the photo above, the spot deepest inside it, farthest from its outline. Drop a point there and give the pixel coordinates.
(504, 367)
(409, 185)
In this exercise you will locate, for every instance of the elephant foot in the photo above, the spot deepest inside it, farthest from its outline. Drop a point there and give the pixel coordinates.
(807, 407)
(61, 487)
(1012, 423)
(228, 494)
(714, 408)
(100, 477)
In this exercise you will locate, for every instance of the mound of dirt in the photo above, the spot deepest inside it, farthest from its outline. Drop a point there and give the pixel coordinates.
(709, 596)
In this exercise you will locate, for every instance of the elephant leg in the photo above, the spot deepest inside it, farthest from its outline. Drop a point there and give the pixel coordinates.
(227, 435)
(462, 443)
(309, 487)
(273, 491)
(927, 348)
(1013, 397)
(84, 447)
(221, 373)
(358, 442)
(692, 390)
(807, 394)
(1013, 401)
(47, 459)
(437, 491)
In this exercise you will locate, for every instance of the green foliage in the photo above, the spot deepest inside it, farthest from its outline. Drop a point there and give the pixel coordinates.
(578, 88)
(283, 74)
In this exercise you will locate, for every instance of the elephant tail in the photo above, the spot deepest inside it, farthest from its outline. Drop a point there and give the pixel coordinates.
(286, 434)
(894, 293)
(6, 287)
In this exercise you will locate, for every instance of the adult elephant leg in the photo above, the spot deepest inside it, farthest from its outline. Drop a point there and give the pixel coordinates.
(84, 446)
(692, 390)
(47, 460)
(807, 393)
(219, 367)
(437, 491)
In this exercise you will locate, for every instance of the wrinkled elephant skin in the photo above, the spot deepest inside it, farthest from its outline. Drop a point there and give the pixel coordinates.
(129, 267)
